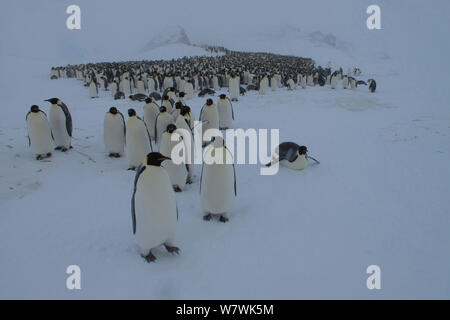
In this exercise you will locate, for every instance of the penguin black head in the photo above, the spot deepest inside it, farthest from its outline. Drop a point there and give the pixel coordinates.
(131, 112)
(181, 94)
(185, 110)
(178, 105)
(155, 159)
(148, 100)
(162, 109)
(53, 100)
(302, 150)
(209, 102)
(171, 128)
(131, 97)
(113, 110)
(223, 96)
(165, 97)
(34, 109)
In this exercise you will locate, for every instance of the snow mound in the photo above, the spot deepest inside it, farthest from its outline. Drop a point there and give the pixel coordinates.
(170, 35)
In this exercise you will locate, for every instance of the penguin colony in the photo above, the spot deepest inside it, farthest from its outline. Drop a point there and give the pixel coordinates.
(148, 142)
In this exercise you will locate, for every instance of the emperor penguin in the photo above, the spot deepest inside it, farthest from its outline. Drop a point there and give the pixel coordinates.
(183, 127)
(372, 85)
(114, 88)
(345, 82)
(226, 113)
(303, 81)
(140, 87)
(178, 172)
(291, 155)
(60, 124)
(263, 85)
(273, 83)
(114, 133)
(138, 141)
(334, 81)
(233, 87)
(39, 133)
(210, 117)
(177, 109)
(154, 209)
(352, 83)
(151, 111)
(218, 181)
(181, 96)
(171, 94)
(310, 80)
(163, 119)
(93, 89)
(291, 84)
(168, 103)
(189, 90)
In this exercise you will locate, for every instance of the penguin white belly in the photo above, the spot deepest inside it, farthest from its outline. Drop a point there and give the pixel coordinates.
(310, 81)
(211, 115)
(161, 126)
(263, 86)
(93, 90)
(137, 143)
(303, 82)
(189, 90)
(140, 87)
(114, 134)
(58, 126)
(217, 188)
(334, 82)
(155, 208)
(113, 89)
(39, 133)
(225, 113)
(291, 84)
(299, 164)
(345, 83)
(177, 172)
(215, 82)
(273, 83)
(151, 85)
(234, 89)
(150, 114)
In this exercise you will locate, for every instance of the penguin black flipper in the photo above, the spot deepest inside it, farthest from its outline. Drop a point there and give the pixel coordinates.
(201, 111)
(139, 170)
(149, 137)
(288, 151)
(68, 118)
(234, 171)
(201, 177)
(232, 110)
(156, 127)
(124, 125)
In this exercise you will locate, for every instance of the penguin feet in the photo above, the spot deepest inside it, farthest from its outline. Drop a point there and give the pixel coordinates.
(49, 155)
(189, 180)
(114, 155)
(207, 217)
(64, 149)
(149, 258)
(223, 219)
(172, 249)
(132, 168)
(117, 155)
(58, 148)
(177, 189)
(39, 157)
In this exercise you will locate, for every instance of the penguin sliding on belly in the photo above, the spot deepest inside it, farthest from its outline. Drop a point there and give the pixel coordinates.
(137, 139)
(39, 134)
(291, 155)
(154, 209)
(218, 182)
(114, 133)
(61, 124)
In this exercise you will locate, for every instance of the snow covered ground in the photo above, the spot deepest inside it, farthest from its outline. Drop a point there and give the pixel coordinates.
(379, 196)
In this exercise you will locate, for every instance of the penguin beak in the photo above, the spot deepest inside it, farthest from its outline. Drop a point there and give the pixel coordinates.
(164, 158)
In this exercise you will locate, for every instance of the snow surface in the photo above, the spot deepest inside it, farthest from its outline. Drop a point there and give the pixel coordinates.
(379, 196)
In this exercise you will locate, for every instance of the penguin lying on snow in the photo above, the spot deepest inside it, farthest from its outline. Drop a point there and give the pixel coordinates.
(138, 97)
(205, 92)
(119, 95)
(291, 155)
(154, 209)
(155, 96)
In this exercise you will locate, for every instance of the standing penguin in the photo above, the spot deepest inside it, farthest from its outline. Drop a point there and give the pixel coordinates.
(178, 173)
(303, 81)
(183, 123)
(154, 209)
(334, 81)
(218, 182)
(226, 114)
(189, 90)
(210, 116)
(345, 82)
(372, 85)
(168, 103)
(151, 111)
(233, 87)
(114, 133)
(39, 134)
(162, 121)
(263, 85)
(61, 124)
(137, 139)
(93, 89)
